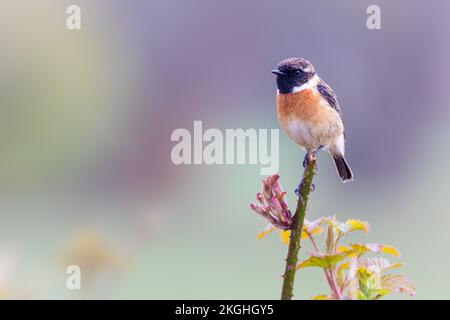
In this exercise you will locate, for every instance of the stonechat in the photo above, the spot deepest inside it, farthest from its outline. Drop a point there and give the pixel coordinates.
(309, 112)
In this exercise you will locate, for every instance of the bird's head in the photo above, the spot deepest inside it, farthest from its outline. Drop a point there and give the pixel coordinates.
(292, 73)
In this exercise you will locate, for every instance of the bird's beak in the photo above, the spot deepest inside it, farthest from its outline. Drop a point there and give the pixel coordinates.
(278, 72)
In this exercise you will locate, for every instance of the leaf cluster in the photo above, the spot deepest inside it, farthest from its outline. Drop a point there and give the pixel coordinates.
(353, 271)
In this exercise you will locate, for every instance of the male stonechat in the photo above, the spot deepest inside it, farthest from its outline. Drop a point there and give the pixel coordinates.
(309, 112)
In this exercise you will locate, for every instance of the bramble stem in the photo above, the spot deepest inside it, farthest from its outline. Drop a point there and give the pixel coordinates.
(296, 229)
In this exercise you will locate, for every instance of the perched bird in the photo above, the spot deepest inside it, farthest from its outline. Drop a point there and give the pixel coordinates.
(309, 112)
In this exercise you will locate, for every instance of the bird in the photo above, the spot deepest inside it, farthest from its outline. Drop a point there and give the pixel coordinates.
(309, 113)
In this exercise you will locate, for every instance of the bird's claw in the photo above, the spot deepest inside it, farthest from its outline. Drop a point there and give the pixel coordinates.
(305, 162)
(309, 157)
(298, 191)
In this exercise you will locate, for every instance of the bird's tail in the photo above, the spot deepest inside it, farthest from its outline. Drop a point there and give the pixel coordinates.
(343, 169)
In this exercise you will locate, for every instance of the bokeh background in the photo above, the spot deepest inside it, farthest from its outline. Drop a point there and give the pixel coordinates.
(85, 124)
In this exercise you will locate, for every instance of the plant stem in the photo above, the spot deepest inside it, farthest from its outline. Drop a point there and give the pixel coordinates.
(335, 287)
(328, 273)
(314, 243)
(296, 229)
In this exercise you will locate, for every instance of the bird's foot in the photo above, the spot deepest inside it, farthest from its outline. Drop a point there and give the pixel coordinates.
(298, 191)
(310, 157)
(306, 161)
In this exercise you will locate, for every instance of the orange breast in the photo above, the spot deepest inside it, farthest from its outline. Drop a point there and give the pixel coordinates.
(303, 105)
(308, 119)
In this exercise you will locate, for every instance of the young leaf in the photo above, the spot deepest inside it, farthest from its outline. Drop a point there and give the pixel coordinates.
(330, 241)
(398, 283)
(380, 264)
(355, 225)
(361, 249)
(379, 293)
(360, 295)
(349, 226)
(343, 248)
(313, 227)
(325, 261)
(390, 250)
(264, 232)
(285, 236)
(321, 297)
(368, 283)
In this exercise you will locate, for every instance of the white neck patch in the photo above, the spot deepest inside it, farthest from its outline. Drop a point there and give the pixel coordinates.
(312, 83)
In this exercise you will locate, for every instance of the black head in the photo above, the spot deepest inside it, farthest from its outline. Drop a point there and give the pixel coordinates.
(293, 72)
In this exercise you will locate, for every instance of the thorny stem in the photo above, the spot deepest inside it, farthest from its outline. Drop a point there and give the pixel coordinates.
(296, 229)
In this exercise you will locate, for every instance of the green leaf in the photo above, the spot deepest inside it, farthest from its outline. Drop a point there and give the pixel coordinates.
(361, 249)
(379, 293)
(398, 283)
(325, 261)
(360, 295)
(368, 283)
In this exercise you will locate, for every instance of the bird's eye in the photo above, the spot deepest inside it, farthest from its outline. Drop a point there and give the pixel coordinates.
(298, 71)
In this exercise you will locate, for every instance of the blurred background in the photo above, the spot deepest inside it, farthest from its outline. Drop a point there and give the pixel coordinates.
(86, 118)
